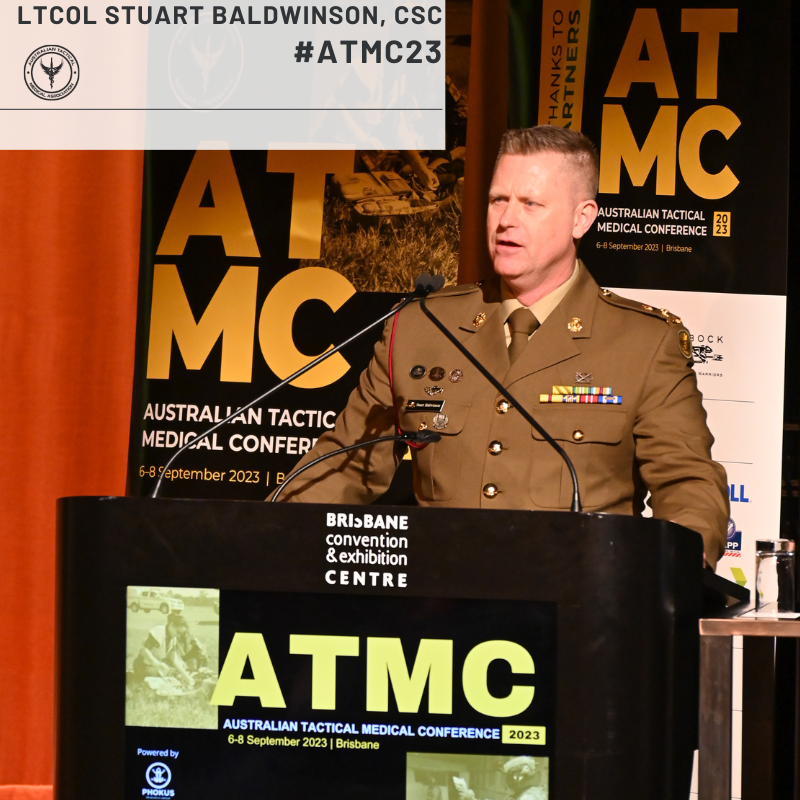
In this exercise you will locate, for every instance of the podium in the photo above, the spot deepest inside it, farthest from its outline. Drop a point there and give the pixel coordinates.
(407, 646)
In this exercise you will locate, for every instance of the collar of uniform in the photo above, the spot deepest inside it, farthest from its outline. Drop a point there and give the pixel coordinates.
(555, 342)
(579, 303)
(543, 307)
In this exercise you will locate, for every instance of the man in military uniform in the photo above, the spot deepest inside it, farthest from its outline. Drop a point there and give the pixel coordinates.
(611, 380)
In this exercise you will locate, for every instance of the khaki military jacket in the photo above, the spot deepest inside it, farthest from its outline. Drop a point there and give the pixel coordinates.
(655, 441)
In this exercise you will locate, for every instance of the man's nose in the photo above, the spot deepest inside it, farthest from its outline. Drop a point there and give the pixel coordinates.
(510, 215)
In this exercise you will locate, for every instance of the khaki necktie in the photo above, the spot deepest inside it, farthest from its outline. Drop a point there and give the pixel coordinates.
(522, 324)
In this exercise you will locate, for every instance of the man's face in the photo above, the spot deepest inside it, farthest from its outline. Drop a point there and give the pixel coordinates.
(536, 211)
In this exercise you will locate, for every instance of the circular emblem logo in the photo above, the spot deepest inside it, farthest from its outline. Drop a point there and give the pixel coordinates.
(51, 72)
(731, 529)
(158, 775)
(205, 63)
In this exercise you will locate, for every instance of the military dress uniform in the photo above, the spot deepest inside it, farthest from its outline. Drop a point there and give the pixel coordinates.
(654, 439)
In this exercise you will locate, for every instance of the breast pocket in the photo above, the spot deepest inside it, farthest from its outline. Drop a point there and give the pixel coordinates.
(597, 442)
(437, 466)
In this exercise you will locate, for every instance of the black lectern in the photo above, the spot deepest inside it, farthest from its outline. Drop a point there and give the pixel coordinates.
(364, 652)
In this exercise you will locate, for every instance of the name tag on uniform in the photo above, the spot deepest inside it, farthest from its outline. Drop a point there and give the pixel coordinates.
(425, 405)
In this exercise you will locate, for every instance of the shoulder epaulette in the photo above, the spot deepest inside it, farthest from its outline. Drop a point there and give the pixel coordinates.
(642, 308)
(455, 290)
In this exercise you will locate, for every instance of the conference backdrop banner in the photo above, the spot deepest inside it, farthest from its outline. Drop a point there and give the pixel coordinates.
(689, 106)
(255, 262)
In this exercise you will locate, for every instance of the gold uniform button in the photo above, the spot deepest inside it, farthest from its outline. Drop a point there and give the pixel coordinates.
(578, 435)
(495, 448)
(490, 490)
(503, 407)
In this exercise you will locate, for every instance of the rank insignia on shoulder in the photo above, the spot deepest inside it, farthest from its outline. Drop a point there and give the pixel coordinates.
(685, 343)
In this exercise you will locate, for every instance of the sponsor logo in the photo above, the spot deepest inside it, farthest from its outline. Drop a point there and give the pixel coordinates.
(205, 64)
(51, 72)
(158, 776)
(706, 355)
(737, 493)
(702, 354)
(733, 546)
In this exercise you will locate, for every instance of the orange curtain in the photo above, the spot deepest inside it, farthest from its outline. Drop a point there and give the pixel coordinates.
(69, 254)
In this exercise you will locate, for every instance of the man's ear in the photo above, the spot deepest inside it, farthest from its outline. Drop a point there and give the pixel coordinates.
(585, 215)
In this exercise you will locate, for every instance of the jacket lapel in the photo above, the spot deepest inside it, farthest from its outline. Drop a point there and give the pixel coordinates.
(554, 341)
(487, 341)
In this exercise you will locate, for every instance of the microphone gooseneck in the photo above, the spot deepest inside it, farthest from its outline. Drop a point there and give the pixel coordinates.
(421, 437)
(576, 497)
(423, 286)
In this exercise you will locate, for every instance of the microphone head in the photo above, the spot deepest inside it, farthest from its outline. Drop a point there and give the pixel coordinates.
(425, 284)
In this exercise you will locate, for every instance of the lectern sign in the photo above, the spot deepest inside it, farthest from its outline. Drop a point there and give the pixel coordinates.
(316, 694)
(255, 650)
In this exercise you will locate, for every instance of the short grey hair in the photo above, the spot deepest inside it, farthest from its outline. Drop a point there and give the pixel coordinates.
(578, 148)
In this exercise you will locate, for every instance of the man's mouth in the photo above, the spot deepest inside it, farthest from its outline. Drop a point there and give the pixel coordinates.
(507, 243)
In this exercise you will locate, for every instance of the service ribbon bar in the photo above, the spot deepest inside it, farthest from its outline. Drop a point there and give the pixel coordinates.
(581, 390)
(612, 399)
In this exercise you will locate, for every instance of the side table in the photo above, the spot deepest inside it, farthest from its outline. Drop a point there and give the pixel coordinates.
(758, 708)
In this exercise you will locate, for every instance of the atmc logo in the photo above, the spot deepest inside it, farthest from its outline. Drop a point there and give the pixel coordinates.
(51, 72)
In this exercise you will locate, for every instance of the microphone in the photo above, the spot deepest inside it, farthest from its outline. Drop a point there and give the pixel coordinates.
(424, 285)
(419, 437)
(576, 496)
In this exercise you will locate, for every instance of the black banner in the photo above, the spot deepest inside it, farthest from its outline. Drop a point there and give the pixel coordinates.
(254, 262)
(222, 318)
(689, 106)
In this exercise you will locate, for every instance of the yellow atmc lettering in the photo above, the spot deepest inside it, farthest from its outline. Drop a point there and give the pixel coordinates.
(227, 218)
(231, 313)
(433, 666)
(275, 324)
(387, 669)
(662, 146)
(264, 683)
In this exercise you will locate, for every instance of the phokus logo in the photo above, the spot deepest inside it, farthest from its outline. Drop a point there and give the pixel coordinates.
(51, 72)
(158, 776)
